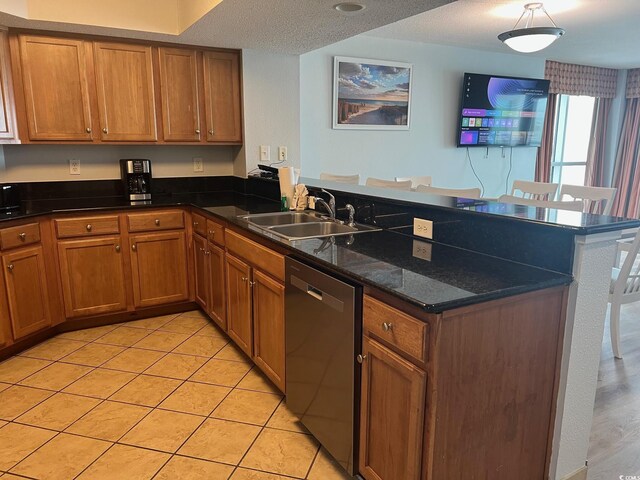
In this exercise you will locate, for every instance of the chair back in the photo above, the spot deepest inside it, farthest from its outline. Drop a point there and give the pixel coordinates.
(473, 193)
(627, 283)
(415, 181)
(352, 179)
(377, 182)
(594, 199)
(534, 190)
(573, 206)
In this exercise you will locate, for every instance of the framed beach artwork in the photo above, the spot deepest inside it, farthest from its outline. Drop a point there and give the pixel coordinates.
(371, 94)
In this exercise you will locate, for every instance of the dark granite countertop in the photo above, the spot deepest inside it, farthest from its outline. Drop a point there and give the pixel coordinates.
(432, 276)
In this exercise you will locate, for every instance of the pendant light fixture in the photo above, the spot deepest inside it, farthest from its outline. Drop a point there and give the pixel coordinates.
(531, 39)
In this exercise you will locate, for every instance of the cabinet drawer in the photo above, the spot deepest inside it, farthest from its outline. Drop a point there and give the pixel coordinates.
(258, 255)
(87, 226)
(396, 328)
(19, 236)
(215, 232)
(145, 222)
(199, 224)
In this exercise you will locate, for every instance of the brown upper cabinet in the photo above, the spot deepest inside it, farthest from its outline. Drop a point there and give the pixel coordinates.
(7, 110)
(180, 99)
(56, 93)
(82, 89)
(222, 97)
(126, 95)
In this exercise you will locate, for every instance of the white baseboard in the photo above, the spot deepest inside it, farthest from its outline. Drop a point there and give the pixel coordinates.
(580, 474)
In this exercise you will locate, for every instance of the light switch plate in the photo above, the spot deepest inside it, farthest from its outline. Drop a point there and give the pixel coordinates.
(282, 154)
(423, 228)
(198, 164)
(265, 153)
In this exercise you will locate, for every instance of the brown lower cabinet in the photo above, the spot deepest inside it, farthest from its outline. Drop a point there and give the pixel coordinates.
(392, 407)
(217, 303)
(92, 274)
(201, 270)
(239, 321)
(26, 288)
(159, 268)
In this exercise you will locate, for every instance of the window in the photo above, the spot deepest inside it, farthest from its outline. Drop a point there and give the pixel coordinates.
(574, 116)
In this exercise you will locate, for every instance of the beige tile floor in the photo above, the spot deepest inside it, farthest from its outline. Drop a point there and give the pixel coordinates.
(163, 398)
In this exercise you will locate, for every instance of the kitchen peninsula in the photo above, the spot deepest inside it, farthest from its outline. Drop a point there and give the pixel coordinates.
(468, 376)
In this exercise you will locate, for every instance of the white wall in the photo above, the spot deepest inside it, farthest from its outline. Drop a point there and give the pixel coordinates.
(428, 148)
(40, 163)
(271, 90)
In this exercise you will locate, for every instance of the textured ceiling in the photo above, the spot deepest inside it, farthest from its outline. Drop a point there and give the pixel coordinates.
(599, 32)
(284, 26)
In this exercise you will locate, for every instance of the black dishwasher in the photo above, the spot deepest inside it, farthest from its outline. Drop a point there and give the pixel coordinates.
(323, 318)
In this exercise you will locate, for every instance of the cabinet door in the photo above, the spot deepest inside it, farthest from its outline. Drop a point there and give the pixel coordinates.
(159, 264)
(217, 284)
(26, 285)
(126, 102)
(7, 111)
(54, 78)
(391, 415)
(222, 97)
(239, 303)
(268, 327)
(92, 273)
(200, 259)
(179, 89)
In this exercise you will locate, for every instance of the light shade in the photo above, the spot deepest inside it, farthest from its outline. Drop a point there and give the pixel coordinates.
(531, 39)
(528, 40)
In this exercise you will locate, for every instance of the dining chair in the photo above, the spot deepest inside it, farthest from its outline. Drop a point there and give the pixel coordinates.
(624, 288)
(415, 181)
(352, 179)
(575, 206)
(473, 193)
(593, 198)
(534, 190)
(377, 182)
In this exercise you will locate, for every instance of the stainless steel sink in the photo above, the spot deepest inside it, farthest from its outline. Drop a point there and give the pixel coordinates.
(282, 218)
(303, 225)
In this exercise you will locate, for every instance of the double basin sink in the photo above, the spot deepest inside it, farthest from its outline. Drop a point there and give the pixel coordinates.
(303, 225)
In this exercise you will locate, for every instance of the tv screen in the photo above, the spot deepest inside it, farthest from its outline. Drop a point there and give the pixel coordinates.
(502, 111)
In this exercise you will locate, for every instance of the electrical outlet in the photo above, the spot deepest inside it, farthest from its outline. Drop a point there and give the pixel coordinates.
(422, 228)
(265, 153)
(282, 154)
(422, 250)
(198, 164)
(74, 167)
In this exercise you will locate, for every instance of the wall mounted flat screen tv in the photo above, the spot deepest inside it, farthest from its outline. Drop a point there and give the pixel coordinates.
(502, 111)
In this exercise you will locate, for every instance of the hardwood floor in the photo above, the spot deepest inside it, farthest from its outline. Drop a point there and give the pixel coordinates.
(614, 448)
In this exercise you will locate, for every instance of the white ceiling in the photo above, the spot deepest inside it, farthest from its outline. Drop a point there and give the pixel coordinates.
(598, 32)
(285, 26)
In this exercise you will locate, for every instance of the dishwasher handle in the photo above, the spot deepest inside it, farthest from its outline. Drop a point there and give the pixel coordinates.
(317, 294)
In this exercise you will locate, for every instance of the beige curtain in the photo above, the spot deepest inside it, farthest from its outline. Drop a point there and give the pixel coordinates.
(545, 152)
(571, 79)
(596, 156)
(626, 176)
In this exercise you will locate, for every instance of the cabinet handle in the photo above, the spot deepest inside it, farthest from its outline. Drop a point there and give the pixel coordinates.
(212, 232)
(210, 132)
(117, 248)
(387, 327)
(244, 279)
(88, 130)
(197, 131)
(157, 222)
(22, 236)
(361, 358)
(133, 247)
(195, 224)
(207, 252)
(89, 227)
(251, 284)
(201, 249)
(10, 267)
(104, 130)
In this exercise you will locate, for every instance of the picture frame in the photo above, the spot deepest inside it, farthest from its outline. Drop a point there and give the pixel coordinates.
(371, 94)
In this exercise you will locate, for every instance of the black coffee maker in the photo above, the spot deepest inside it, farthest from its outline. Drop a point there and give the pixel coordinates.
(136, 176)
